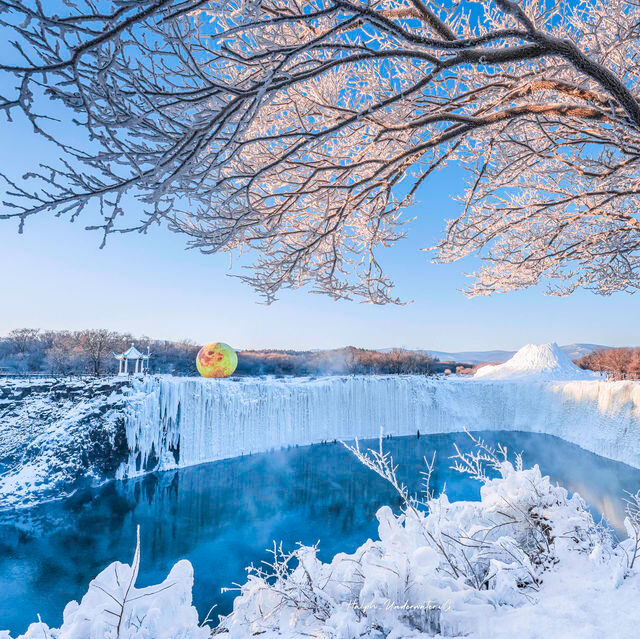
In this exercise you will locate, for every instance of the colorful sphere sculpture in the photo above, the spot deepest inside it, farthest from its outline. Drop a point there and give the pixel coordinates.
(216, 360)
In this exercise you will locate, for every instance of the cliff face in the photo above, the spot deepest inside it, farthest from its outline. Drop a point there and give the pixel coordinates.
(56, 435)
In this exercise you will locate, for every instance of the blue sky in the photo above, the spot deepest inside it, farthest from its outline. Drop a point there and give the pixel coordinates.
(54, 276)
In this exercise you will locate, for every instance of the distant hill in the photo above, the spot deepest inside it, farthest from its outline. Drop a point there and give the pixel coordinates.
(573, 351)
(472, 357)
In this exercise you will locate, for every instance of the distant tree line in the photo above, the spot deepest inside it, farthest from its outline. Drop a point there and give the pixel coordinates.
(342, 361)
(90, 352)
(620, 363)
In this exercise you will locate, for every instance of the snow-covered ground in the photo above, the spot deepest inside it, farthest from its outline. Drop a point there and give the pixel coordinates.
(526, 561)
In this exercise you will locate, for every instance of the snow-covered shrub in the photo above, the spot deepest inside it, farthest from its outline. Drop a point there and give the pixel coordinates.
(438, 567)
(529, 521)
(114, 608)
(631, 546)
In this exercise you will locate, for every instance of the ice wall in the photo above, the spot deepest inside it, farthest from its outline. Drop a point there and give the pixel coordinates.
(184, 421)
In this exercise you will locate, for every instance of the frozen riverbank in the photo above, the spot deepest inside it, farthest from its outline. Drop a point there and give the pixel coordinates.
(184, 421)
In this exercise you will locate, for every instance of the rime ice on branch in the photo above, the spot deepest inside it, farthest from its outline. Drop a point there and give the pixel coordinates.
(301, 129)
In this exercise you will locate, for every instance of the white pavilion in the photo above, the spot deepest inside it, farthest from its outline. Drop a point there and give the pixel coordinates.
(132, 355)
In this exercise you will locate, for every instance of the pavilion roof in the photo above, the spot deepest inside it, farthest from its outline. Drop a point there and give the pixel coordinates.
(131, 353)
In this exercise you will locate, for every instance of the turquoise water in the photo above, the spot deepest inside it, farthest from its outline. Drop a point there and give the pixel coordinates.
(223, 516)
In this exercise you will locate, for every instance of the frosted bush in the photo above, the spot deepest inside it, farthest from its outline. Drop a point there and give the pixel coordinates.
(438, 567)
(631, 546)
(114, 608)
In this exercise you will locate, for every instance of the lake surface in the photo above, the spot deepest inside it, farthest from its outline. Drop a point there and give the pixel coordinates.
(223, 516)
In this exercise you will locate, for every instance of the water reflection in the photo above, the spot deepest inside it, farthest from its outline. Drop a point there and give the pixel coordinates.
(222, 516)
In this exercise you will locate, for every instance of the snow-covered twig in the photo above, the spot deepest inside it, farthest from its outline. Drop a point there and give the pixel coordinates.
(632, 525)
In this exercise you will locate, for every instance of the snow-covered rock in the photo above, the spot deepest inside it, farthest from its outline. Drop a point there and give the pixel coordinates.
(56, 434)
(536, 362)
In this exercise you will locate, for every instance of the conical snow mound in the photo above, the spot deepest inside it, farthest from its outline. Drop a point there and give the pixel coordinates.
(536, 362)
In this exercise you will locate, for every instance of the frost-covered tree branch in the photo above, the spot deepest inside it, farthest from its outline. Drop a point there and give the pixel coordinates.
(301, 129)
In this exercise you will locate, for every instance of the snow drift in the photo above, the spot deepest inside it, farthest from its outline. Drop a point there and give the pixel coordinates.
(536, 362)
(114, 608)
(185, 421)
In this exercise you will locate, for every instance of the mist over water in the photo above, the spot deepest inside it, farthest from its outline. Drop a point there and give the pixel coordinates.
(222, 516)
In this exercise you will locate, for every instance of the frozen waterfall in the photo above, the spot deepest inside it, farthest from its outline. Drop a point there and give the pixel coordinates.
(176, 421)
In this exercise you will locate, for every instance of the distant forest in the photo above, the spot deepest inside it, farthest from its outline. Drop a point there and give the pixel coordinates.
(620, 363)
(90, 352)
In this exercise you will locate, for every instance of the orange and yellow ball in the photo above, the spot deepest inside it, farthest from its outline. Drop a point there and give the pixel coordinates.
(216, 360)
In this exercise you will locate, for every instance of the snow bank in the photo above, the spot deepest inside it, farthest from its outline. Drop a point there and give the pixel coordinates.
(536, 362)
(526, 561)
(186, 421)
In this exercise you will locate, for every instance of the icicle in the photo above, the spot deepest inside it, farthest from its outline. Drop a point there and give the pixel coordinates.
(174, 421)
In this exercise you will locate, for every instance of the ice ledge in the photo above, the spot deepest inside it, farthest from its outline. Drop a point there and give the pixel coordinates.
(185, 421)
